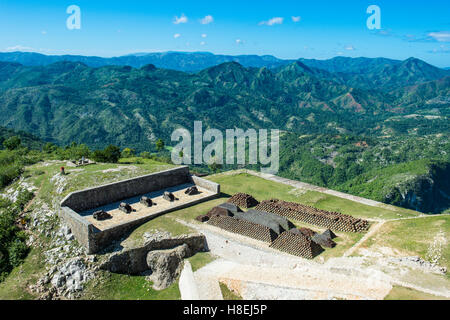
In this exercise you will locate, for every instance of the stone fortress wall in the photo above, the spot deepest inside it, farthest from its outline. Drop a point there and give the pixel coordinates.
(94, 239)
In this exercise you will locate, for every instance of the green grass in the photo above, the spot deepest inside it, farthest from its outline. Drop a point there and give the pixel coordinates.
(113, 286)
(402, 293)
(413, 236)
(227, 293)
(200, 259)
(333, 203)
(163, 223)
(15, 286)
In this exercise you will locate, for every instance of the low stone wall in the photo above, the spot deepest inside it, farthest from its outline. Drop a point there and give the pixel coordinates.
(206, 184)
(80, 201)
(100, 239)
(133, 261)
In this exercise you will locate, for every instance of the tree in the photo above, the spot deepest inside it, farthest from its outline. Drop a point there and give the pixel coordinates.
(12, 143)
(110, 154)
(128, 153)
(159, 144)
(49, 147)
(145, 155)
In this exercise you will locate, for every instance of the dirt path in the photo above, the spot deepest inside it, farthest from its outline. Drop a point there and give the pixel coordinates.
(369, 234)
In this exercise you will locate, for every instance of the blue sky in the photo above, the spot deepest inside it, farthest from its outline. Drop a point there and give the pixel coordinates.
(322, 29)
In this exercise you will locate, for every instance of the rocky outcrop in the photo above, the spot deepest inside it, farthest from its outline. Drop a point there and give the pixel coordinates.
(166, 265)
(161, 254)
(428, 193)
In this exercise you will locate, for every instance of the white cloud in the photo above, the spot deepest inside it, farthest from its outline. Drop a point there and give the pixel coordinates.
(239, 41)
(20, 48)
(296, 19)
(271, 22)
(441, 36)
(202, 43)
(204, 35)
(207, 19)
(182, 19)
(176, 35)
(44, 32)
(350, 48)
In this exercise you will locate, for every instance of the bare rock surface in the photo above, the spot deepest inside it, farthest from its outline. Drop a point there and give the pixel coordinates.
(166, 265)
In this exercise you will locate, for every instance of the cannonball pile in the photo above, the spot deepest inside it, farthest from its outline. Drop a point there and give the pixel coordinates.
(297, 245)
(218, 211)
(332, 220)
(243, 200)
(245, 228)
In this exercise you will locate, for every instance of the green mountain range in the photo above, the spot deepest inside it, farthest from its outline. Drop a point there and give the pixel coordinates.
(381, 99)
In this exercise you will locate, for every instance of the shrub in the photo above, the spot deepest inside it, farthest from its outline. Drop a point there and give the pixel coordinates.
(12, 143)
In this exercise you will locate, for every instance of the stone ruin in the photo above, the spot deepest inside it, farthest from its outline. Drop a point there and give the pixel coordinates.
(101, 215)
(243, 200)
(146, 201)
(125, 207)
(296, 211)
(296, 244)
(191, 191)
(169, 196)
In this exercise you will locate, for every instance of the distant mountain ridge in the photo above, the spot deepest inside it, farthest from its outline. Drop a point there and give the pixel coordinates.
(197, 61)
(70, 101)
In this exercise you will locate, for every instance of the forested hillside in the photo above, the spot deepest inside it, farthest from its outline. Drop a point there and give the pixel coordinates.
(347, 122)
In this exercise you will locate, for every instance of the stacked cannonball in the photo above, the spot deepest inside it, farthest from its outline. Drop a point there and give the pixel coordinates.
(219, 211)
(296, 244)
(300, 212)
(245, 228)
(243, 200)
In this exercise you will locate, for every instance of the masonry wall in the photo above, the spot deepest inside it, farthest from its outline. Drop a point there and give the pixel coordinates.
(80, 227)
(80, 201)
(94, 239)
(101, 239)
(209, 185)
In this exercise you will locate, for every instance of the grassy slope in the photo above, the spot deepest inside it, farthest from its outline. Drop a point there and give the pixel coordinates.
(413, 236)
(113, 286)
(15, 285)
